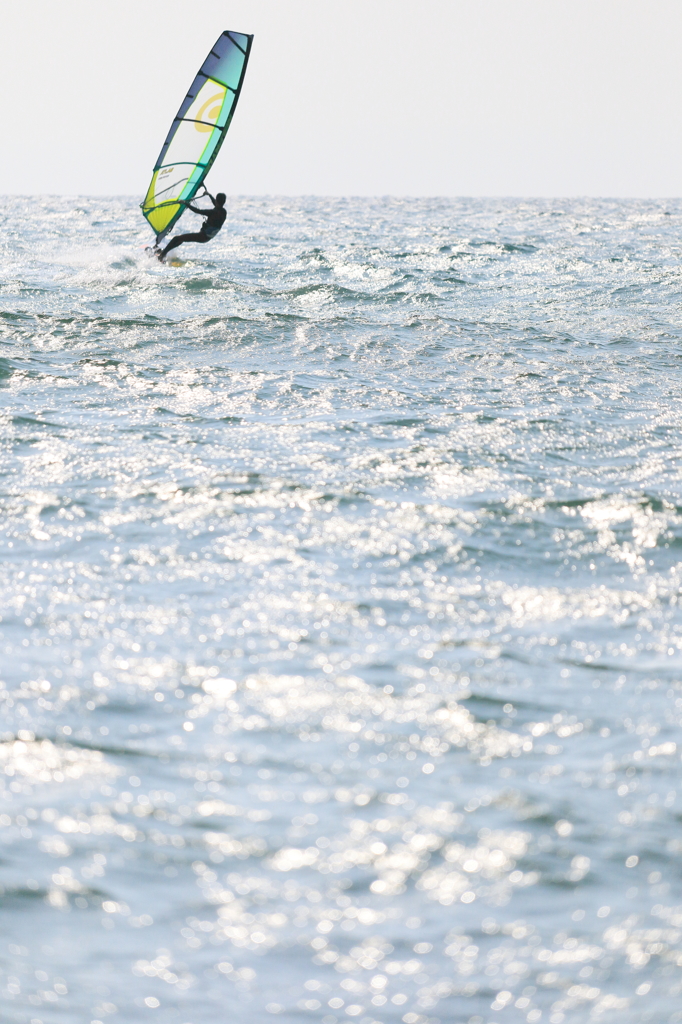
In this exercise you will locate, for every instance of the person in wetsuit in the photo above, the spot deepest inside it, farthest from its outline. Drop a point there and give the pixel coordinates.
(213, 221)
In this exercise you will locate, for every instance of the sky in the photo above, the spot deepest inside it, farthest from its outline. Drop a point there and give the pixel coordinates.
(352, 97)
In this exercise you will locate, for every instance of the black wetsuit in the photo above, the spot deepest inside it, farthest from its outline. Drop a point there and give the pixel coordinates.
(214, 220)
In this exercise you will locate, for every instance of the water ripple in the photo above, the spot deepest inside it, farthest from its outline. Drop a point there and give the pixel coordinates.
(339, 614)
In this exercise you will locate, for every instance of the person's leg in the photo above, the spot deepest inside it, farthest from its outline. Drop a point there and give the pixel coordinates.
(179, 239)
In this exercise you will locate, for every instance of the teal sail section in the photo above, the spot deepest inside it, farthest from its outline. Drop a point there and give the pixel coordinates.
(197, 132)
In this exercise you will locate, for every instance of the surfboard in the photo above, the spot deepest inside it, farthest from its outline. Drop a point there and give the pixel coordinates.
(172, 261)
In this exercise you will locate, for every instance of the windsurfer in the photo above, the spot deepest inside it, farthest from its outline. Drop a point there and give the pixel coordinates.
(213, 221)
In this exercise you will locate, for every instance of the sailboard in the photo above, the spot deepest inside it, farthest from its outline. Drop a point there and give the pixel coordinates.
(197, 132)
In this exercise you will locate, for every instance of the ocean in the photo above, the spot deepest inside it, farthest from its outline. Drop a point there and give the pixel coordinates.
(341, 636)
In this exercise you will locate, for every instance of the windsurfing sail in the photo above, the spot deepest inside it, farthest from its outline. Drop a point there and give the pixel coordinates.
(197, 132)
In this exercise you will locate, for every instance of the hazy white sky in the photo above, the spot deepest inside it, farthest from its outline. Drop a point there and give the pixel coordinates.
(354, 97)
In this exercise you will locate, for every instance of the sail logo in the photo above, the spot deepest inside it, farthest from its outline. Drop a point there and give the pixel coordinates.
(209, 111)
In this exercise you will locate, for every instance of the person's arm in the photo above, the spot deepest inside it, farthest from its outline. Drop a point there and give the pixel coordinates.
(202, 213)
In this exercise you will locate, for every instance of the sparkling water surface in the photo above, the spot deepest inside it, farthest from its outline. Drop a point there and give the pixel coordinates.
(340, 650)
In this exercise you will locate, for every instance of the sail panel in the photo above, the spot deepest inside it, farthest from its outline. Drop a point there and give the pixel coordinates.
(197, 132)
(227, 67)
(207, 106)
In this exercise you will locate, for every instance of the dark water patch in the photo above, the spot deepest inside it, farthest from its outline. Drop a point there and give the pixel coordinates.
(7, 369)
(524, 248)
(200, 284)
(100, 362)
(326, 290)
(35, 421)
(21, 897)
(315, 256)
(15, 316)
(450, 280)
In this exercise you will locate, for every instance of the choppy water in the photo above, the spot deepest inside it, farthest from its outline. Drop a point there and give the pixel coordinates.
(341, 636)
